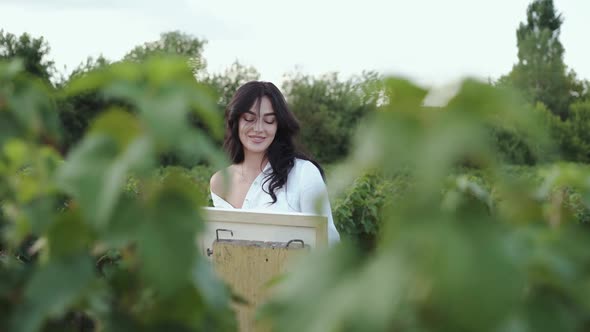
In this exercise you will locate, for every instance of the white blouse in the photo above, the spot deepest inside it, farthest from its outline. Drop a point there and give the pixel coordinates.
(303, 188)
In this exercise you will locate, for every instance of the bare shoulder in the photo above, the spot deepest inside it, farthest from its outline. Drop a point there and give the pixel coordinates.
(218, 181)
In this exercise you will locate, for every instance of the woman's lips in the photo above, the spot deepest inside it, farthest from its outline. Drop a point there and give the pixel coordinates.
(257, 139)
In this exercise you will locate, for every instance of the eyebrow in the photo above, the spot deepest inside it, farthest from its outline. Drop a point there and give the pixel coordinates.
(267, 114)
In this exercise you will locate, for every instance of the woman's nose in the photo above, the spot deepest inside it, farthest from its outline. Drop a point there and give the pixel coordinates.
(258, 125)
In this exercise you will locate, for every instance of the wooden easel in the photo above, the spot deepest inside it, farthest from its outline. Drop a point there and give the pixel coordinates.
(249, 249)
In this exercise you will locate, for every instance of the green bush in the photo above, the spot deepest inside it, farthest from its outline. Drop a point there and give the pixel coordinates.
(358, 209)
(579, 132)
(518, 145)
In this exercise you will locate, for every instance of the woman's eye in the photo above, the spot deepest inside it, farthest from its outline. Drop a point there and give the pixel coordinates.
(270, 121)
(248, 119)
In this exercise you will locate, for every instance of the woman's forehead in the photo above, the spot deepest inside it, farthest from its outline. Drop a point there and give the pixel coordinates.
(262, 106)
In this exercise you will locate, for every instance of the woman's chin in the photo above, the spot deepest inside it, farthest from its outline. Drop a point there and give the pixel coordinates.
(256, 148)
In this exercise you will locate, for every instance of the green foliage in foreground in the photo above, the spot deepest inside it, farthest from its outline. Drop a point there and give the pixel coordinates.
(74, 242)
(457, 241)
(496, 250)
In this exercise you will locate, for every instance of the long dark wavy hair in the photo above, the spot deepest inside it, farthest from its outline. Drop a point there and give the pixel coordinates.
(282, 151)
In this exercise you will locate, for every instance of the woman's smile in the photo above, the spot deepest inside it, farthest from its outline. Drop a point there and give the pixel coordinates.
(257, 139)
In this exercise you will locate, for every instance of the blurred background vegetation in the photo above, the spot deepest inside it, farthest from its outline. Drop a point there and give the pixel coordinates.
(472, 215)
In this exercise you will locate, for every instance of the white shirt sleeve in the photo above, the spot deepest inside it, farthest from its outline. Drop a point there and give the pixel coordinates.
(314, 195)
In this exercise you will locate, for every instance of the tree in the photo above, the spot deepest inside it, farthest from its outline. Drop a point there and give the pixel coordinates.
(33, 52)
(232, 78)
(541, 73)
(330, 110)
(89, 65)
(172, 43)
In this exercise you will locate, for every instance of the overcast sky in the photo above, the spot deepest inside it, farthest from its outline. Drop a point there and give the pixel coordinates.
(432, 42)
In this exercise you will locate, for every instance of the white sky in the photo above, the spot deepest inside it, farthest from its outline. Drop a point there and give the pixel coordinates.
(429, 41)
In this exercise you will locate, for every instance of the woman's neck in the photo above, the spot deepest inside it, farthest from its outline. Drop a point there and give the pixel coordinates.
(253, 163)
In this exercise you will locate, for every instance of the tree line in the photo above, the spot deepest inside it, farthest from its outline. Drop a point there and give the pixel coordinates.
(330, 108)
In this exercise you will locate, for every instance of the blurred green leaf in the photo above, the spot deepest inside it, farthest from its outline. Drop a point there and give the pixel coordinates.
(68, 235)
(117, 124)
(166, 240)
(51, 290)
(96, 171)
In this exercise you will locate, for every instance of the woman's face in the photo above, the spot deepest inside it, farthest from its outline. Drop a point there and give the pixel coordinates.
(257, 127)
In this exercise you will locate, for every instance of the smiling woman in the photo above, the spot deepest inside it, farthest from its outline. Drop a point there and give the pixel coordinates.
(267, 170)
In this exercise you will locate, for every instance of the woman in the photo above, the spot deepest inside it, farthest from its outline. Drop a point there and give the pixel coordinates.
(267, 171)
